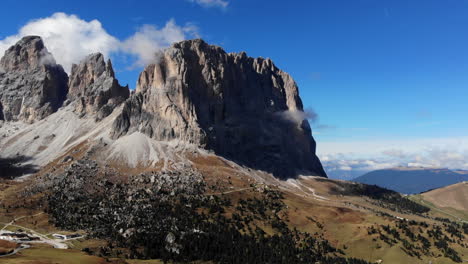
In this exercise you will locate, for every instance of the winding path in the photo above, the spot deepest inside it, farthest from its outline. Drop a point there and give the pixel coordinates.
(16, 219)
(44, 239)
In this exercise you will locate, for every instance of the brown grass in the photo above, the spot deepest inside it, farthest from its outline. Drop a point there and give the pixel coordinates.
(454, 196)
(7, 246)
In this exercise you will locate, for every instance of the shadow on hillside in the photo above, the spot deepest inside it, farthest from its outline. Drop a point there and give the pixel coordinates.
(14, 167)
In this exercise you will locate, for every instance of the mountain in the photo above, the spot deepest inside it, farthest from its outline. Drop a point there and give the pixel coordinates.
(209, 160)
(93, 84)
(241, 108)
(348, 175)
(32, 85)
(412, 180)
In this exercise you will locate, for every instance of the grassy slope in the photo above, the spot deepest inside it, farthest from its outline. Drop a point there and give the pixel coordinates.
(343, 226)
(341, 220)
(443, 212)
(454, 196)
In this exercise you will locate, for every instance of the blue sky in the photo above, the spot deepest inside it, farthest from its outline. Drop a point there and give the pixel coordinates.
(374, 71)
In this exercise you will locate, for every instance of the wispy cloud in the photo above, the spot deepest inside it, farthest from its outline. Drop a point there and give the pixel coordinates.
(149, 39)
(308, 114)
(297, 116)
(341, 162)
(70, 39)
(211, 3)
(449, 153)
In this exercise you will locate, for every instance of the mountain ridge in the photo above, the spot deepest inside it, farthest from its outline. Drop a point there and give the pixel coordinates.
(241, 108)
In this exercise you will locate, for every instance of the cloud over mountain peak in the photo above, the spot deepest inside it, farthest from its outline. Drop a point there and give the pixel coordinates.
(70, 39)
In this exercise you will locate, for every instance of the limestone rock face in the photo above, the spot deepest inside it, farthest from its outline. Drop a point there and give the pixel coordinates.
(93, 85)
(32, 85)
(235, 105)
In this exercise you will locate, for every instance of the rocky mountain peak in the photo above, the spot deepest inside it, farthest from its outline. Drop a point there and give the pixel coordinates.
(94, 86)
(27, 54)
(110, 69)
(32, 85)
(230, 103)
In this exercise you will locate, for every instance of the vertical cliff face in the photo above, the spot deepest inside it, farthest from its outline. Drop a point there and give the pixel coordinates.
(242, 108)
(32, 85)
(94, 86)
(238, 106)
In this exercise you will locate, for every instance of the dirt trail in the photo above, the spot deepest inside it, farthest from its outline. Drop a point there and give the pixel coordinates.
(442, 211)
(232, 191)
(18, 218)
(44, 239)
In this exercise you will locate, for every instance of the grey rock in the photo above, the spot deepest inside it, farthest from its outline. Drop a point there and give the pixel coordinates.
(94, 86)
(226, 102)
(32, 85)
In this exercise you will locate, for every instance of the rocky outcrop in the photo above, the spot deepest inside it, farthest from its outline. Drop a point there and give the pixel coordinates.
(94, 86)
(242, 108)
(32, 85)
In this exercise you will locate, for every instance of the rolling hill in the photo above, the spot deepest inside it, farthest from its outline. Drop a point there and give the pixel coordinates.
(454, 196)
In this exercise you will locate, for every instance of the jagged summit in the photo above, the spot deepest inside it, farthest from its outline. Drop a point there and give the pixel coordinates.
(32, 85)
(28, 53)
(241, 108)
(233, 104)
(93, 84)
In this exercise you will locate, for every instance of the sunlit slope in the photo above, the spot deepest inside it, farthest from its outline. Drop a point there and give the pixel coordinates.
(360, 221)
(454, 196)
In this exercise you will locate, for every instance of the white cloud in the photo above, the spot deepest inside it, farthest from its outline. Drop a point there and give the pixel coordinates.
(148, 40)
(70, 39)
(340, 162)
(376, 147)
(296, 116)
(211, 3)
(449, 153)
(67, 37)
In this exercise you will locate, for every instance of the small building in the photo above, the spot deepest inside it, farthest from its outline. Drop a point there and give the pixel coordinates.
(65, 237)
(59, 236)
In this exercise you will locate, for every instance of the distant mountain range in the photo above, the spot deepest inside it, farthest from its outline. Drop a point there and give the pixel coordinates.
(346, 175)
(413, 180)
